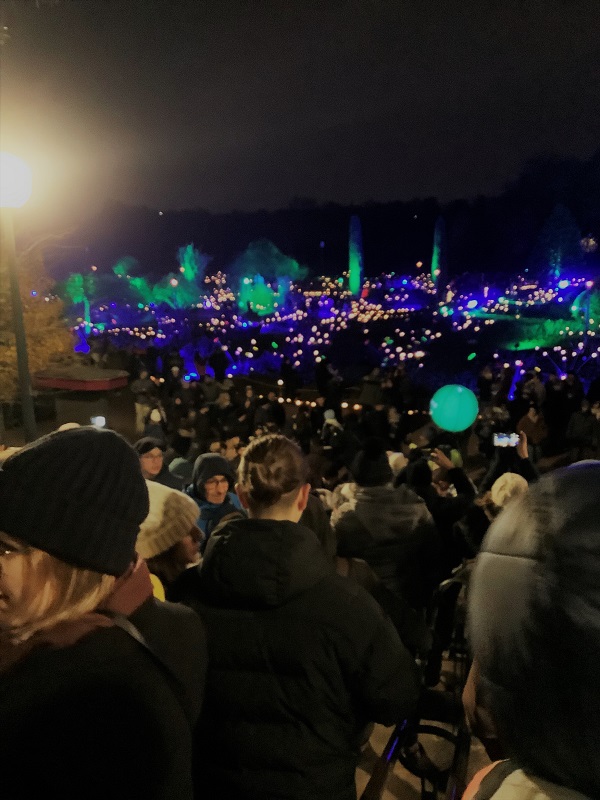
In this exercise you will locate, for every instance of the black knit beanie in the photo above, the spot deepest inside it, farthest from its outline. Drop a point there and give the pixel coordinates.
(143, 446)
(418, 473)
(371, 466)
(78, 495)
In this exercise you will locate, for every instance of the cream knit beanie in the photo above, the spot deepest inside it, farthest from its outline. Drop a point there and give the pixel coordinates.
(172, 516)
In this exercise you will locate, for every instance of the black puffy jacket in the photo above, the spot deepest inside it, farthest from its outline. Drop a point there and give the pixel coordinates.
(300, 659)
(392, 530)
(101, 718)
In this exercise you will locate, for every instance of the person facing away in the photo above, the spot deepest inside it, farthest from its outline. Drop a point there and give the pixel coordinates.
(534, 608)
(301, 659)
(390, 528)
(86, 710)
(144, 392)
(445, 509)
(581, 431)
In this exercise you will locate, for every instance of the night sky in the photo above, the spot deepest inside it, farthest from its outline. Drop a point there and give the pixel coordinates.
(219, 104)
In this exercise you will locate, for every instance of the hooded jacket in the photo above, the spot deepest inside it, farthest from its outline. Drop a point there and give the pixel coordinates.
(206, 467)
(392, 530)
(447, 511)
(300, 660)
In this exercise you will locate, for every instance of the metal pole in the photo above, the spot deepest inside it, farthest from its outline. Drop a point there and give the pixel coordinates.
(8, 252)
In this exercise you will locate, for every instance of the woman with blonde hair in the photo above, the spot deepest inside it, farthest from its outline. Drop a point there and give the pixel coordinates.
(301, 659)
(99, 684)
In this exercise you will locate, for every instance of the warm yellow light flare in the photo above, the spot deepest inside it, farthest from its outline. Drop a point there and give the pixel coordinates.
(15, 181)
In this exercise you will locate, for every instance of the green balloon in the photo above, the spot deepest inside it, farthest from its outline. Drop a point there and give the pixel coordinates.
(454, 408)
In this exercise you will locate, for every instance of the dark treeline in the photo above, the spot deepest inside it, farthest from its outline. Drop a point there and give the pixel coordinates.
(496, 234)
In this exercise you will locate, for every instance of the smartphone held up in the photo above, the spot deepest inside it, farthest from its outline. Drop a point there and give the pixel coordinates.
(506, 439)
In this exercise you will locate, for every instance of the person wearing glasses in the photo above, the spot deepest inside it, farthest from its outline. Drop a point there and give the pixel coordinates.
(100, 685)
(211, 487)
(152, 462)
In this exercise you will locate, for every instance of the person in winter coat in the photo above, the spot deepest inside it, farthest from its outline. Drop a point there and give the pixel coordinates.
(301, 659)
(390, 528)
(246, 413)
(169, 537)
(100, 686)
(581, 431)
(317, 519)
(446, 510)
(181, 467)
(211, 488)
(144, 391)
(371, 393)
(533, 425)
(225, 416)
(534, 606)
(151, 453)
(510, 459)
(470, 531)
(155, 425)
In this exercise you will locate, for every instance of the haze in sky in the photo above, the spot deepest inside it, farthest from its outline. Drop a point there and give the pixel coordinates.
(220, 104)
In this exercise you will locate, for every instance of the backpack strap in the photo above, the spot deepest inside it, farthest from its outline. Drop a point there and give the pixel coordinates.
(175, 684)
(494, 779)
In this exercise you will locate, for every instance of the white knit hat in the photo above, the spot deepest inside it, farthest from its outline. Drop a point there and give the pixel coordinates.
(506, 487)
(172, 516)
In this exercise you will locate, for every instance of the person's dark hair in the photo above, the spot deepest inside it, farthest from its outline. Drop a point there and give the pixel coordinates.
(418, 473)
(147, 443)
(371, 466)
(271, 467)
(169, 565)
(535, 627)
(181, 445)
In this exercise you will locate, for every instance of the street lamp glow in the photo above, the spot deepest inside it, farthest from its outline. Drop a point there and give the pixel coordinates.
(15, 181)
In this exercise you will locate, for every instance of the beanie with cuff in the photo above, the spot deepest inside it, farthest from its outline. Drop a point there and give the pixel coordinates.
(172, 516)
(78, 495)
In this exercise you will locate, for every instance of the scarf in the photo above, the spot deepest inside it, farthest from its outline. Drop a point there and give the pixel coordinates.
(130, 591)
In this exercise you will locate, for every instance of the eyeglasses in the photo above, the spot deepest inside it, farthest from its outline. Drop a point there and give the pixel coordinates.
(216, 481)
(7, 549)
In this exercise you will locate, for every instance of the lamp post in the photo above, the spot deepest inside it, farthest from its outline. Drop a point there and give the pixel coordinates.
(15, 191)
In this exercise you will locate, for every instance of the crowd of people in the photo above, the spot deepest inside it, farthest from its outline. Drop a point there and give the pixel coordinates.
(223, 608)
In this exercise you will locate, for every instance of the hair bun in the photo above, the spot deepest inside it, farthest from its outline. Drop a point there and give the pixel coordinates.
(272, 467)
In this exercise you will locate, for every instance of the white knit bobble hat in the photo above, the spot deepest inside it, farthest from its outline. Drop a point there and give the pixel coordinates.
(506, 487)
(172, 516)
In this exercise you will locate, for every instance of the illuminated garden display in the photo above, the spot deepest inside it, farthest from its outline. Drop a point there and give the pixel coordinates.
(265, 307)
(438, 257)
(176, 289)
(355, 256)
(264, 275)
